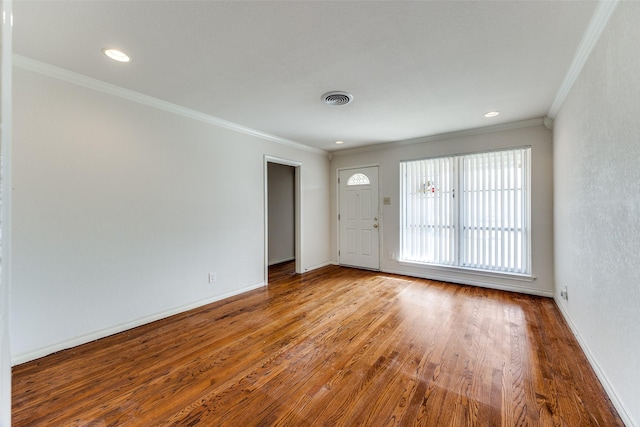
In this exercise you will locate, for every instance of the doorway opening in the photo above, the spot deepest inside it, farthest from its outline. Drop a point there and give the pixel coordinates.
(282, 211)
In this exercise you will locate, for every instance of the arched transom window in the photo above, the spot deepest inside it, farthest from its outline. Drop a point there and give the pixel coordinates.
(358, 179)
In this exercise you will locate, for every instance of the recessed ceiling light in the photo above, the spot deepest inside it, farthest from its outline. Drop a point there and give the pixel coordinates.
(339, 142)
(491, 113)
(116, 55)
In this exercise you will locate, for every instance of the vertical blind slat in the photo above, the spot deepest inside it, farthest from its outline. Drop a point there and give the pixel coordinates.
(491, 214)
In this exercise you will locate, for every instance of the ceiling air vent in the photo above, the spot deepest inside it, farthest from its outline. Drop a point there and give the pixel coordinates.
(337, 98)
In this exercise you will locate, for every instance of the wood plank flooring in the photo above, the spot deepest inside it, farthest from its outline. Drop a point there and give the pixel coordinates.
(333, 347)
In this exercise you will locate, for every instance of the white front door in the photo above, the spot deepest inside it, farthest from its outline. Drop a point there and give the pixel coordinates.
(358, 218)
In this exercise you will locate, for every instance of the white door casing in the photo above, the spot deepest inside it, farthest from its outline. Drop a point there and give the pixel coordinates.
(358, 218)
(298, 212)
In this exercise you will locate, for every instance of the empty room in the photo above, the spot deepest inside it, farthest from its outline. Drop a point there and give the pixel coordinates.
(340, 213)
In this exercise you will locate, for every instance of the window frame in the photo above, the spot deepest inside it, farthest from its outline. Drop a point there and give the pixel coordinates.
(458, 206)
(356, 180)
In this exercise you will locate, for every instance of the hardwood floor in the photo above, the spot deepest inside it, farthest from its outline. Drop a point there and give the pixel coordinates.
(334, 347)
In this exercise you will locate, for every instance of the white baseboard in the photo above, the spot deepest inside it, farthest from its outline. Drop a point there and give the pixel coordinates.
(83, 339)
(490, 285)
(280, 261)
(608, 387)
(317, 266)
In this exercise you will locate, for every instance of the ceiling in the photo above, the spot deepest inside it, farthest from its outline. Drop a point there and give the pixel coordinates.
(415, 69)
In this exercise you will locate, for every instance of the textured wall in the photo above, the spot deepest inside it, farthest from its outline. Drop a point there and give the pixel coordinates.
(597, 206)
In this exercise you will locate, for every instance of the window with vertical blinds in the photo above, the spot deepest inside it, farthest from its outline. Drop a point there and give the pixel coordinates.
(428, 214)
(468, 211)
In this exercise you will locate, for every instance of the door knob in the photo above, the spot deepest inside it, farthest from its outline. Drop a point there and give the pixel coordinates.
(375, 225)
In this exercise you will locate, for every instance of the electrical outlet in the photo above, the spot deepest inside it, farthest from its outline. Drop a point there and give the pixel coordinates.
(212, 278)
(391, 255)
(564, 294)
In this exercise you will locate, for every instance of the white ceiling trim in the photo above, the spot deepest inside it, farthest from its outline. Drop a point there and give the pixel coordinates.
(598, 22)
(130, 95)
(444, 136)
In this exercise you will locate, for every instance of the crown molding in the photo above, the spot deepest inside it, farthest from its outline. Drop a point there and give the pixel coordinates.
(130, 95)
(598, 22)
(443, 136)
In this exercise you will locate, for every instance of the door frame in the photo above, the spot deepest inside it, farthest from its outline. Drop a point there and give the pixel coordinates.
(380, 218)
(297, 166)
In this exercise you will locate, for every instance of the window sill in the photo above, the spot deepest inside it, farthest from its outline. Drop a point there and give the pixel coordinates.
(471, 271)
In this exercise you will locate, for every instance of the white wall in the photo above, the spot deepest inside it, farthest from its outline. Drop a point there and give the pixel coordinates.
(122, 210)
(597, 208)
(281, 189)
(388, 157)
(6, 48)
